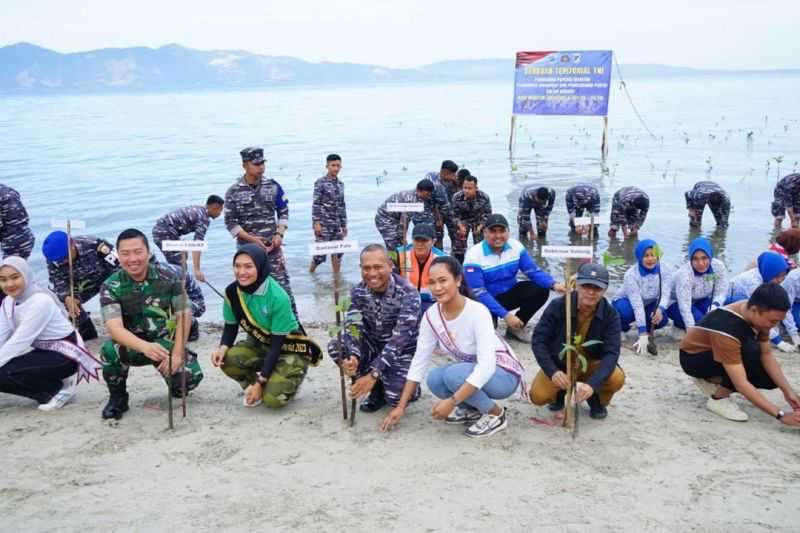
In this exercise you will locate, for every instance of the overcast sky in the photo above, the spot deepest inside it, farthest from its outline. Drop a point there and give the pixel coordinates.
(407, 33)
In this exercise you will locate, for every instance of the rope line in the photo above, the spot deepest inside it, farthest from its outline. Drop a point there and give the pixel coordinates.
(624, 87)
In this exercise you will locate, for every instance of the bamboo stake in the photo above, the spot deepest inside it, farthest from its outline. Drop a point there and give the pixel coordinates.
(339, 325)
(604, 145)
(71, 272)
(569, 408)
(511, 134)
(185, 334)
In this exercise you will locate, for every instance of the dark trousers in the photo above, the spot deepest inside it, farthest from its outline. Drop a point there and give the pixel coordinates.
(702, 365)
(526, 296)
(36, 375)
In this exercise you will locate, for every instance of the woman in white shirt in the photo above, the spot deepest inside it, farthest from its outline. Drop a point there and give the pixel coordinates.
(485, 369)
(40, 351)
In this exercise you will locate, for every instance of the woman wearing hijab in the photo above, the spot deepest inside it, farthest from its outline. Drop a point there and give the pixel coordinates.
(771, 268)
(644, 295)
(699, 286)
(268, 369)
(40, 351)
(485, 368)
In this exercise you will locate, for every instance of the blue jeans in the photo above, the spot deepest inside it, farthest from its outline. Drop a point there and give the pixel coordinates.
(627, 317)
(444, 381)
(699, 309)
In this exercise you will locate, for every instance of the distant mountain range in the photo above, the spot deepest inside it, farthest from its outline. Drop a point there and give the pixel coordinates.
(27, 68)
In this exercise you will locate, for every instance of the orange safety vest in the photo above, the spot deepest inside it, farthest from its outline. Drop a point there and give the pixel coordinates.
(412, 273)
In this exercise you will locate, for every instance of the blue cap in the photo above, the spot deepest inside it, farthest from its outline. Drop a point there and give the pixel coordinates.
(55, 246)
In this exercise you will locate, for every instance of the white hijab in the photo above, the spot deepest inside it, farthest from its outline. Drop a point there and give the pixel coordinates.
(31, 287)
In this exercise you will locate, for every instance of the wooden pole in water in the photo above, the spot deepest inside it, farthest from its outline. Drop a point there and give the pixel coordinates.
(339, 326)
(604, 145)
(511, 134)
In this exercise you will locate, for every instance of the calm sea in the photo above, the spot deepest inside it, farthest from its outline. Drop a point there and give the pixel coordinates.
(117, 161)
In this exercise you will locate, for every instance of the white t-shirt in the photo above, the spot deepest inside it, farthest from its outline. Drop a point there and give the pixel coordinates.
(472, 332)
(37, 318)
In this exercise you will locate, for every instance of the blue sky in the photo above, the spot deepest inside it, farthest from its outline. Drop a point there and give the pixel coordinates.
(698, 33)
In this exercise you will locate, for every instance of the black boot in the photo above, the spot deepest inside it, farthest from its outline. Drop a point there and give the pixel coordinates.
(375, 400)
(596, 409)
(117, 402)
(194, 332)
(86, 327)
(558, 405)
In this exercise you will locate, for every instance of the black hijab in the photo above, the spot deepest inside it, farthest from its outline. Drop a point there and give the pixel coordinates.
(259, 257)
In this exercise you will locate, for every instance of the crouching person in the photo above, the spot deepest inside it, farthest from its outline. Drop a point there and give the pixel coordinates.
(380, 332)
(593, 319)
(729, 351)
(485, 369)
(271, 363)
(141, 304)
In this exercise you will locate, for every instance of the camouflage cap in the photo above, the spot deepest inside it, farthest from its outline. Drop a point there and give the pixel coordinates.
(252, 154)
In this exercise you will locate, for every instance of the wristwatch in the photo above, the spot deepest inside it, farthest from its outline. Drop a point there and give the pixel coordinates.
(261, 380)
(375, 373)
(780, 414)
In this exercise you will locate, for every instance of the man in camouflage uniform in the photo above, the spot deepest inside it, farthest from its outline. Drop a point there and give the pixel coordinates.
(16, 237)
(390, 224)
(787, 198)
(711, 193)
(540, 200)
(384, 312)
(193, 219)
(328, 211)
(629, 209)
(93, 260)
(257, 211)
(579, 198)
(470, 209)
(138, 304)
(446, 185)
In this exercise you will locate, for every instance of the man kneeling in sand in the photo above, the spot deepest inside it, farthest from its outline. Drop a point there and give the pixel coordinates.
(593, 319)
(140, 305)
(729, 350)
(380, 332)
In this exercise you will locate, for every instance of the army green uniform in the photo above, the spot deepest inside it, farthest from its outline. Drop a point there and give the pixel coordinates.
(145, 308)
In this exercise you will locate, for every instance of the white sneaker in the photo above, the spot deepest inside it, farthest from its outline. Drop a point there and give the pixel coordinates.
(62, 397)
(706, 387)
(726, 409)
(463, 415)
(487, 425)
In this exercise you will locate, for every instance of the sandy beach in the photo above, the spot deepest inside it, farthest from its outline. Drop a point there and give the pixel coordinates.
(659, 462)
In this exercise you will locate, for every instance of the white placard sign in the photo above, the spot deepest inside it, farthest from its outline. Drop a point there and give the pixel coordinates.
(401, 207)
(333, 247)
(184, 246)
(73, 224)
(567, 252)
(585, 221)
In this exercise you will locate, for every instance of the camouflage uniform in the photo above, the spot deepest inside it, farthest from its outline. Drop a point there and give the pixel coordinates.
(698, 197)
(623, 200)
(145, 309)
(259, 211)
(582, 197)
(471, 212)
(95, 261)
(387, 326)
(181, 222)
(442, 198)
(528, 203)
(787, 194)
(194, 294)
(390, 225)
(16, 237)
(328, 209)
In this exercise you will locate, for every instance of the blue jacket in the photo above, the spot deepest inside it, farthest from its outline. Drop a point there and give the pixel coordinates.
(489, 274)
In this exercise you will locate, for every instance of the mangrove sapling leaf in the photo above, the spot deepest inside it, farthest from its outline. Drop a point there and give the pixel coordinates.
(610, 260)
(583, 362)
(566, 348)
(334, 330)
(594, 342)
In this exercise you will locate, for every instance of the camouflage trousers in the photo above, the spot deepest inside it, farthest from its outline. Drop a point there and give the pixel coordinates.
(328, 234)
(246, 357)
(19, 243)
(720, 213)
(390, 230)
(160, 236)
(117, 360)
(277, 266)
(460, 242)
(393, 378)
